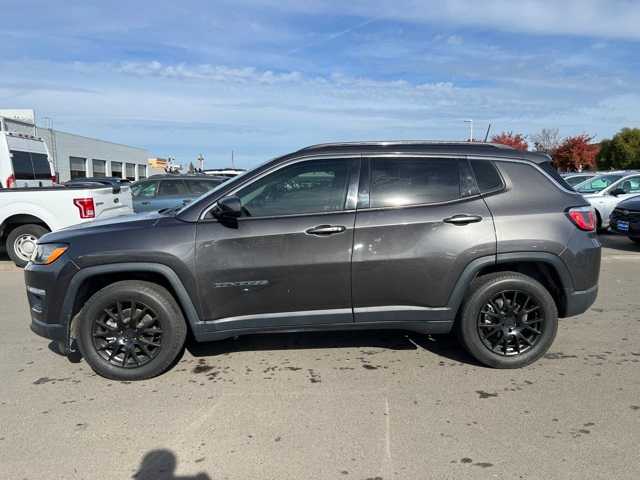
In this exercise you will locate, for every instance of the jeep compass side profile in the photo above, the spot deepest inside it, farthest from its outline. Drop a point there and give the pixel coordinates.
(425, 236)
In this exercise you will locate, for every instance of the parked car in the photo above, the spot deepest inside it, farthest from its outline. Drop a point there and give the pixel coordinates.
(348, 236)
(168, 191)
(605, 191)
(574, 179)
(24, 161)
(92, 182)
(28, 213)
(625, 218)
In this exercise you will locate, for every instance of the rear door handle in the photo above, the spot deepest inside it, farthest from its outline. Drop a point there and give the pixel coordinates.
(463, 219)
(326, 230)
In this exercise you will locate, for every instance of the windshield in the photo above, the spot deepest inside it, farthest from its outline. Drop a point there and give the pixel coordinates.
(597, 184)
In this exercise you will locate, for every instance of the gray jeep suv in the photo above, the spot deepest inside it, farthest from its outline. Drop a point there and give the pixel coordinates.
(430, 237)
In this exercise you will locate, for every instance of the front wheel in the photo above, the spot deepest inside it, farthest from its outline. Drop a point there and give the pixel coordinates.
(21, 242)
(131, 330)
(509, 320)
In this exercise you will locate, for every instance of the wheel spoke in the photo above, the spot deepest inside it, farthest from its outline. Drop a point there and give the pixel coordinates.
(125, 356)
(525, 339)
(144, 349)
(135, 356)
(119, 310)
(528, 327)
(114, 351)
(111, 315)
(148, 342)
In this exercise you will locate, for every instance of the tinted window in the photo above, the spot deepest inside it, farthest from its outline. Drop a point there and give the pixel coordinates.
(312, 186)
(41, 166)
(553, 173)
(172, 187)
(486, 175)
(198, 187)
(411, 181)
(598, 183)
(142, 171)
(22, 168)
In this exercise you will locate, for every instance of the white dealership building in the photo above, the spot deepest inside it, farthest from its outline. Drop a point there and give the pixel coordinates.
(76, 156)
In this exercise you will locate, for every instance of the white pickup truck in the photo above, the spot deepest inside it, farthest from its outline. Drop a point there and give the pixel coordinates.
(28, 213)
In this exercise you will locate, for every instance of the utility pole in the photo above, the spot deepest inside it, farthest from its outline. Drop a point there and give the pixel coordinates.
(233, 165)
(470, 122)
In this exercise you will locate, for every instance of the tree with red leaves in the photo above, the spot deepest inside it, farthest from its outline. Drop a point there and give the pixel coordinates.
(576, 154)
(515, 140)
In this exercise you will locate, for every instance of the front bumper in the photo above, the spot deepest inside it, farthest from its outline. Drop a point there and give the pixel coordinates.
(46, 286)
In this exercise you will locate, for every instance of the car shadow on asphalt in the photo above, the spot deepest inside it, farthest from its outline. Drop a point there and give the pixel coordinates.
(445, 346)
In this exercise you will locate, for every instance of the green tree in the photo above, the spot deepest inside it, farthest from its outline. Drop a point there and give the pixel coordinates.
(622, 151)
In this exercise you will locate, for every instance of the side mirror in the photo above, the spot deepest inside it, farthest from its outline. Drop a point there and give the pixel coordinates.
(228, 207)
(617, 191)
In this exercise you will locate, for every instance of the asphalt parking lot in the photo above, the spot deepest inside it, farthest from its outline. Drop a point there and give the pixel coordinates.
(376, 405)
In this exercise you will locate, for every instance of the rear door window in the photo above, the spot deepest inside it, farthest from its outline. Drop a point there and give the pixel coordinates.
(198, 187)
(172, 188)
(413, 181)
(551, 170)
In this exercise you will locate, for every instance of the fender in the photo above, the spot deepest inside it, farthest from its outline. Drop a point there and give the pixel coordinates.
(183, 299)
(475, 266)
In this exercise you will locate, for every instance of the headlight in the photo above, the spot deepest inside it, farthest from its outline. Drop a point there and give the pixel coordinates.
(47, 253)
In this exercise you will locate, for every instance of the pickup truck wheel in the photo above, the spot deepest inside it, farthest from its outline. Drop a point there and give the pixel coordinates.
(21, 242)
(131, 330)
(509, 320)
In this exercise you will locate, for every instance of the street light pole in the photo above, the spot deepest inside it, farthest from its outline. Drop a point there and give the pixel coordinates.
(470, 122)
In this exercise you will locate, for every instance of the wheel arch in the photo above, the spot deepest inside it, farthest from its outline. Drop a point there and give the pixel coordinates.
(91, 279)
(547, 268)
(16, 220)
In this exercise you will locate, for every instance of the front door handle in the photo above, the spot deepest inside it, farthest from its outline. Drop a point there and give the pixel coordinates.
(326, 230)
(463, 219)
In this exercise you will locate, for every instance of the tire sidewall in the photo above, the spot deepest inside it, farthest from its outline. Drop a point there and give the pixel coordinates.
(169, 317)
(469, 330)
(35, 230)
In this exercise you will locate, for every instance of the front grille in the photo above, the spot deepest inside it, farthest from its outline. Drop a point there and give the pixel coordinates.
(624, 214)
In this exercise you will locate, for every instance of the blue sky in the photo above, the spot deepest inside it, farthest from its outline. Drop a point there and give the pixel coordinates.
(266, 77)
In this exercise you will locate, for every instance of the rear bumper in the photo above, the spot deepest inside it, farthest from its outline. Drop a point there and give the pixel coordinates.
(578, 302)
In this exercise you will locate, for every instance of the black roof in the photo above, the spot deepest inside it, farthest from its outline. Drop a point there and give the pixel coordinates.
(424, 146)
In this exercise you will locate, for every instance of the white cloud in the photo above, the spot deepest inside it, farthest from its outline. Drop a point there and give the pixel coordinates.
(591, 18)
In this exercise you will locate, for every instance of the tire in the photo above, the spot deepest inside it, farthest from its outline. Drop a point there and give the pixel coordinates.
(484, 312)
(116, 349)
(21, 241)
(635, 239)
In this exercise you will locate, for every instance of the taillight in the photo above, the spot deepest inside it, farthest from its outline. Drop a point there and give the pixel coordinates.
(11, 181)
(583, 217)
(85, 206)
(54, 179)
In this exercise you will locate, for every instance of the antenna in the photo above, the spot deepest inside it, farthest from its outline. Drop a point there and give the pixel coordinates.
(487, 134)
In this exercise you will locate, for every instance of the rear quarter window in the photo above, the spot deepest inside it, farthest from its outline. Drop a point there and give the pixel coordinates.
(553, 173)
(487, 176)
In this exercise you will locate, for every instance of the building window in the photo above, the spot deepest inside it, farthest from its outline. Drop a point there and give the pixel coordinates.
(142, 172)
(99, 168)
(78, 167)
(131, 171)
(116, 169)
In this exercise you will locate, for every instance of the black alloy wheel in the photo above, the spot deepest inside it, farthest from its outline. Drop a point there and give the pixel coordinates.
(511, 323)
(127, 334)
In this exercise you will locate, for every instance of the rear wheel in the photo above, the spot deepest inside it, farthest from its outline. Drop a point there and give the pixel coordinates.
(131, 330)
(509, 320)
(21, 242)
